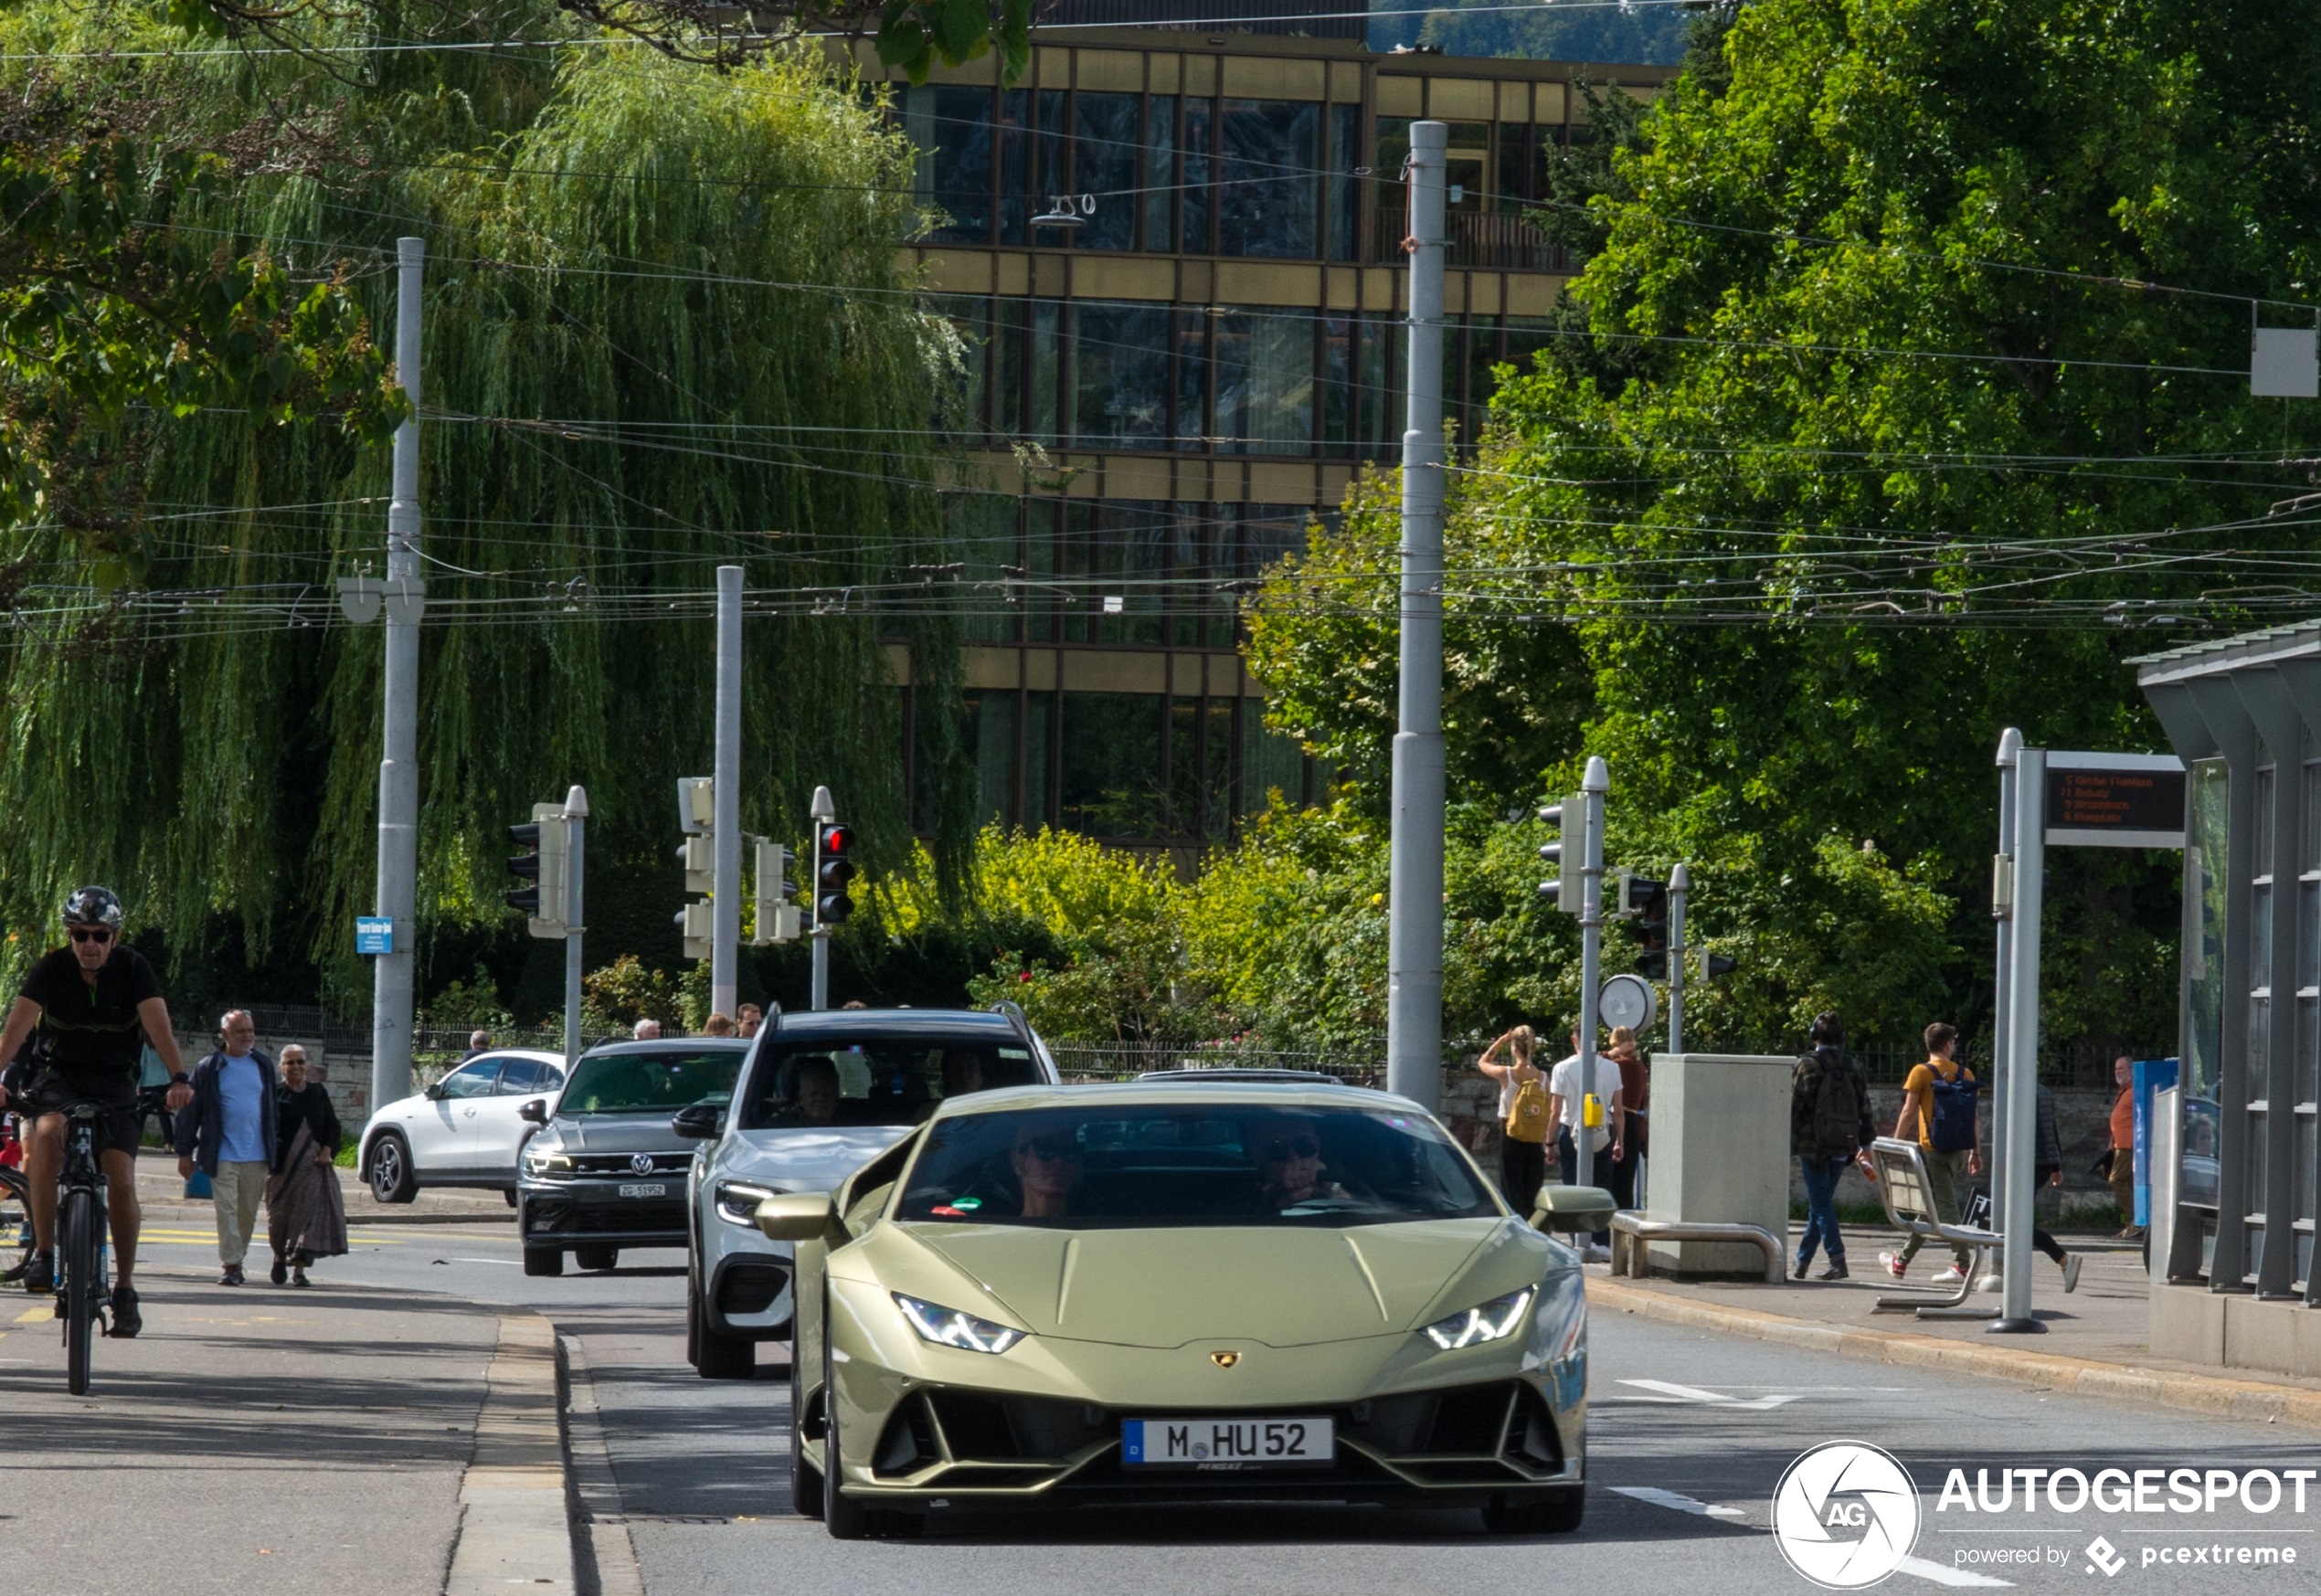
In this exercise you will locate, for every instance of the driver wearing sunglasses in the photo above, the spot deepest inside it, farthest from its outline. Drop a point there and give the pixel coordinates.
(1047, 1169)
(1290, 1166)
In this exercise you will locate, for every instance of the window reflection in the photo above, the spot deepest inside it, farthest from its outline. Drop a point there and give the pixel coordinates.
(1269, 203)
(1264, 376)
(1120, 373)
(1111, 765)
(1105, 155)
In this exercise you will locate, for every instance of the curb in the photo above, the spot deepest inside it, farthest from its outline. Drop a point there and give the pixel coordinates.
(2194, 1393)
(515, 1524)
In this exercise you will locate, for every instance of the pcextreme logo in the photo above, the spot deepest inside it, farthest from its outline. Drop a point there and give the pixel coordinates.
(1845, 1515)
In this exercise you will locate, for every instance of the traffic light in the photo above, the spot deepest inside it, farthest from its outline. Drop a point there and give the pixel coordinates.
(1714, 964)
(833, 868)
(541, 865)
(777, 917)
(1569, 855)
(1647, 903)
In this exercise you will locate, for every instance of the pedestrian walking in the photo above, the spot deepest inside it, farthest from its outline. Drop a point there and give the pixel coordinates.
(229, 1131)
(2047, 1160)
(2119, 1162)
(1829, 1128)
(1586, 1105)
(750, 1017)
(305, 1211)
(1523, 1118)
(1938, 1113)
(1636, 1090)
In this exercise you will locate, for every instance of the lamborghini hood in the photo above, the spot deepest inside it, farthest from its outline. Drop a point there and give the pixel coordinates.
(1279, 1285)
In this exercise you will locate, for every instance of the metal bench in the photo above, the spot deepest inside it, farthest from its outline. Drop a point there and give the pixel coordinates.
(1631, 1231)
(1908, 1193)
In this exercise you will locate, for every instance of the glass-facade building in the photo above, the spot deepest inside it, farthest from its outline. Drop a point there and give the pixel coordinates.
(1173, 257)
(2244, 715)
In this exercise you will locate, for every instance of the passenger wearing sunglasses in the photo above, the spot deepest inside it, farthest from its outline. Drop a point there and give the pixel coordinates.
(96, 1004)
(1289, 1167)
(1047, 1171)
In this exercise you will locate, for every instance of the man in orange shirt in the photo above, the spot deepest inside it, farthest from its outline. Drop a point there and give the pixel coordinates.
(2122, 1169)
(1947, 1136)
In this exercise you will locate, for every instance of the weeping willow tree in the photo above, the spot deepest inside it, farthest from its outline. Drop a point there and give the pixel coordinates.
(664, 332)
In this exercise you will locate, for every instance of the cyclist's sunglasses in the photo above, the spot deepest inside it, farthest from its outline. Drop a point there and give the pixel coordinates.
(100, 934)
(1281, 1149)
(1049, 1150)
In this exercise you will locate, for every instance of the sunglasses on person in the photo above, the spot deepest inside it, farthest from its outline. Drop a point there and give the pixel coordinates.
(1281, 1149)
(1049, 1150)
(98, 934)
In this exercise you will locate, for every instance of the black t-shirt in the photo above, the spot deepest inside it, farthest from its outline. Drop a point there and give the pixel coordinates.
(92, 1034)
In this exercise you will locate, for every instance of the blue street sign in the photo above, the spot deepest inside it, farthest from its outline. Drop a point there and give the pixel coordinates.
(374, 933)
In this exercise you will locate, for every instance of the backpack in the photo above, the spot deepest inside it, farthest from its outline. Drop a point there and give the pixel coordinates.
(1837, 1112)
(1954, 1127)
(1527, 1112)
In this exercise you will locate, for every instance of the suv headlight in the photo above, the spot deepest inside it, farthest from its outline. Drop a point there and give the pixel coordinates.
(1500, 1317)
(738, 1202)
(950, 1327)
(539, 1162)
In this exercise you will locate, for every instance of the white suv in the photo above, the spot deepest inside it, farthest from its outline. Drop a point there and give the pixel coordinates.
(821, 1095)
(465, 1130)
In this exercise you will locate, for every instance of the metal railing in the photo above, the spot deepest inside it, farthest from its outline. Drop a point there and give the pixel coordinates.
(1477, 238)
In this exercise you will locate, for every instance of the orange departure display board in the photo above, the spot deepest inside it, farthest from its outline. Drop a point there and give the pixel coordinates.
(2114, 800)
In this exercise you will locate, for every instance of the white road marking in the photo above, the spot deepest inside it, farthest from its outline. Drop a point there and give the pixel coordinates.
(1660, 1498)
(1685, 1393)
(1919, 1567)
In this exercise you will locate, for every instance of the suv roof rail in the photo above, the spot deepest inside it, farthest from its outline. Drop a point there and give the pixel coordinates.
(1013, 1014)
(1270, 1077)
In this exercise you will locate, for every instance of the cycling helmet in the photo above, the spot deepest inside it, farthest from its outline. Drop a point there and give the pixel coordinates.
(93, 906)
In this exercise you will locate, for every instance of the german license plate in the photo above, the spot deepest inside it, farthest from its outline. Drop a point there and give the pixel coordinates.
(1227, 1444)
(644, 1188)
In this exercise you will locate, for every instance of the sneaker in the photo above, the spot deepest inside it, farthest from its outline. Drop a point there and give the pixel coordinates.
(1894, 1265)
(126, 1320)
(232, 1276)
(1953, 1275)
(1837, 1270)
(298, 1278)
(1799, 1271)
(40, 1272)
(2071, 1273)
(1598, 1254)
(280, 1273)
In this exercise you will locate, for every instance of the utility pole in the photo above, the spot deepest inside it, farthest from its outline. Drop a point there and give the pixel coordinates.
(1592, 786)
(2023, 1042)
(822, 809)
(1679, 883)
(399, 848)
(2002, 908)
(1414, 891)
(576, 826)
(724, 901)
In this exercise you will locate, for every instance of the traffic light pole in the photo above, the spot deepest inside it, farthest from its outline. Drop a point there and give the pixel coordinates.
(724, 889)
(1415, 887)
(1679, 883)
(1592, 786)
(2023, 1044)
(822, 809)
(575, 827)
(398, 848)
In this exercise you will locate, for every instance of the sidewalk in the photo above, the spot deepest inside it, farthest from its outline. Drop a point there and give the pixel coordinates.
(2095, 1343)
(239, 1446)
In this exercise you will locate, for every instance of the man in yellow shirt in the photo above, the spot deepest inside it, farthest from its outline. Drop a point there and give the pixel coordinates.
(1947, 1134)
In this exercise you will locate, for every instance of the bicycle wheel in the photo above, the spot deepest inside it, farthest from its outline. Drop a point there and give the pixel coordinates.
(76, 1225)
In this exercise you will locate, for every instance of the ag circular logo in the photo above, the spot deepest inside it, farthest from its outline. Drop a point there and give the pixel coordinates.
(1845, 1515)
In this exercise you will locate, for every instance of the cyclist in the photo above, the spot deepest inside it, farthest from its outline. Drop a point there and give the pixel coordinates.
(95, 1002)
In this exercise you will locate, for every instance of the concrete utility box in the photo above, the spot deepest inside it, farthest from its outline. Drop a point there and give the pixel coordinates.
(1720, 1151)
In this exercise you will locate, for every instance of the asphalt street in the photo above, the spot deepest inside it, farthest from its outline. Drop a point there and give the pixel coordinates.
(1690, 1434)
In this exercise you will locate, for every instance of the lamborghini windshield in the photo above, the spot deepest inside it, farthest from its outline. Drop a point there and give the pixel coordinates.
(1195, 1165)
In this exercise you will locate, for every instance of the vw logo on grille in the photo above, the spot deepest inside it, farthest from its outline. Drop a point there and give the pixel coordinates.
(641, 1163)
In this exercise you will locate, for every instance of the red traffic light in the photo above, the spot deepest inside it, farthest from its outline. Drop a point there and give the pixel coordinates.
(836, 838)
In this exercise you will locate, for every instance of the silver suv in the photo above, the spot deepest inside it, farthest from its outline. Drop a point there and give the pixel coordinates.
(821, 1094)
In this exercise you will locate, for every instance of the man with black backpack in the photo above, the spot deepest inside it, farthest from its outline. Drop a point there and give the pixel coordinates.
(1938, 1110)
(1829, 1125)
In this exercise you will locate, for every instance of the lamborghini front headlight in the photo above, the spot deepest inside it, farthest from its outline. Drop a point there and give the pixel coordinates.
(1494, 1320)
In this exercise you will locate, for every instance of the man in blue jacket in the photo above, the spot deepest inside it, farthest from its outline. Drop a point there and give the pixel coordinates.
(229, 1130)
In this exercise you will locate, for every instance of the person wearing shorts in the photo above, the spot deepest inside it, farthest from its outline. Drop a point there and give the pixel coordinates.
(92, 1006)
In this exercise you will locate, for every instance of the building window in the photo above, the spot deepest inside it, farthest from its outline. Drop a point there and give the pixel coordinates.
(1111, 760)
(1265, 381)
(1269, 202)
(1105, 146)
(1120, 374)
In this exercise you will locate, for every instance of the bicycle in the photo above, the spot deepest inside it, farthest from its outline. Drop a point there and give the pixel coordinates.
(82, 1220)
